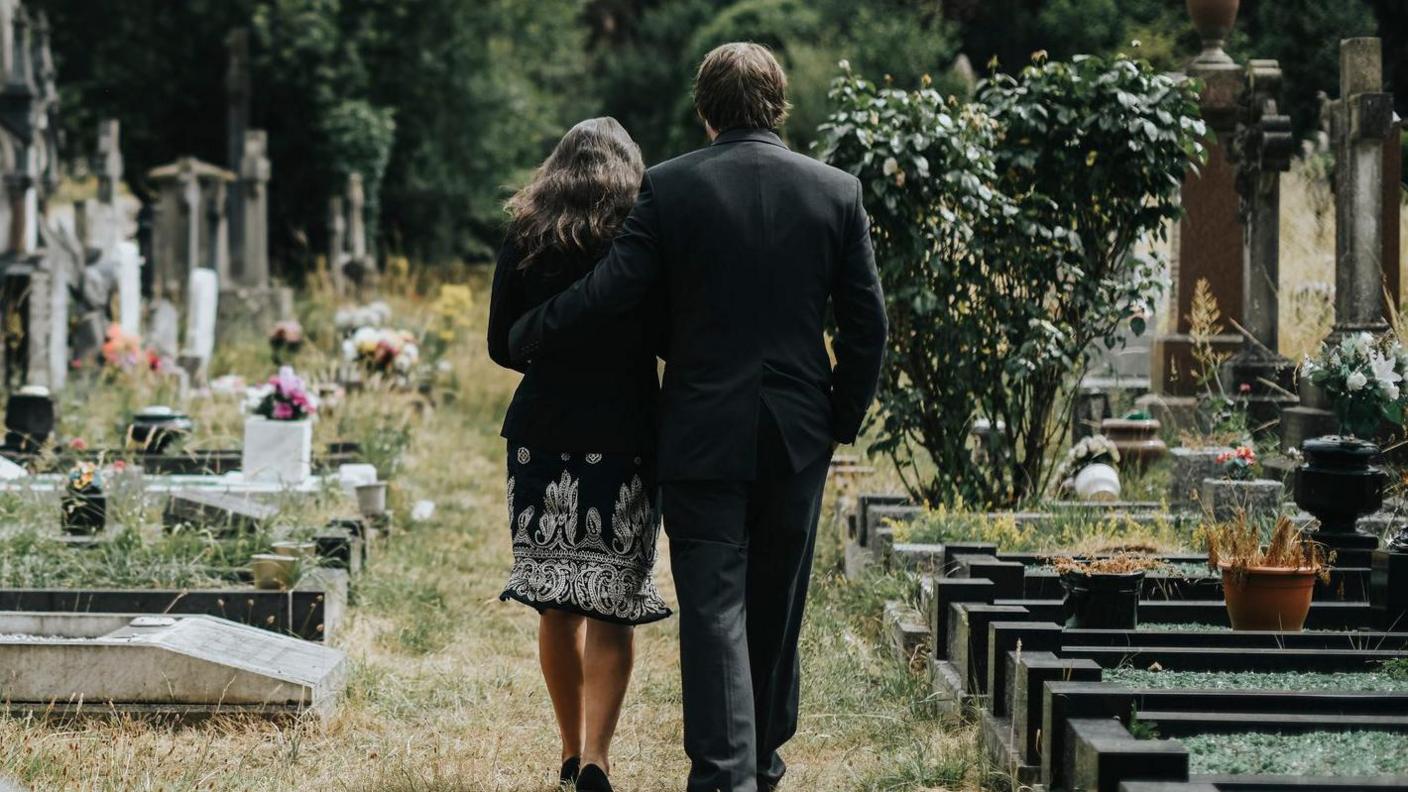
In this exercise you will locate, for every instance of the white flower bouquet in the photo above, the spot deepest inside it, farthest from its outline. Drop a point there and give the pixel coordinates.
(1363, 377)
(373, 314)
(1095, 449)
(381, 350)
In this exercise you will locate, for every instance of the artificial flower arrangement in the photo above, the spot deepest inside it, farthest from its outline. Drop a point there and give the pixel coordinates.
(1363, 377)
(381, 350)
(285, 397)
(1239, 464)
(85, 477)
(1093, 450)
(373, 314)
(124, 350)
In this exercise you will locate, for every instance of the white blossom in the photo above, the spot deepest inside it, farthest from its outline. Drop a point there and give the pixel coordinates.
(1356, 381)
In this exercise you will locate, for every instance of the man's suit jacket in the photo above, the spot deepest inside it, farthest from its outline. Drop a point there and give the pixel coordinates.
(751, 241)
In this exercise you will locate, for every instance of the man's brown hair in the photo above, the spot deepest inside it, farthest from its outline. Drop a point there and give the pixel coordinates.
(741, 86)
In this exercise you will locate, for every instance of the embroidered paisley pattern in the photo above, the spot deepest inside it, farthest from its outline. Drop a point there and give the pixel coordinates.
(567, 556)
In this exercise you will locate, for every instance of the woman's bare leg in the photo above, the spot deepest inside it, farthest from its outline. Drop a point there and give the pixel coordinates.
(560, 642)
(610, 654)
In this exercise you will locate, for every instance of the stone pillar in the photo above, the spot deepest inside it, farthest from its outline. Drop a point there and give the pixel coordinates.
(238, 93)
(105, 220)
(1209, 235)
(337, 242)
(252, 228)
(215, 251)
(1363, 119)
(1261, 149)
(1393, 211)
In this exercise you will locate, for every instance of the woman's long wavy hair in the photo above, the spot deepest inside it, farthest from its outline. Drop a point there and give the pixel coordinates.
(580, 195)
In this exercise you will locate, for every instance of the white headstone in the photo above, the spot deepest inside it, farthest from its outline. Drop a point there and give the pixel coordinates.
(202, 302)
(129, 288)
(166, 328)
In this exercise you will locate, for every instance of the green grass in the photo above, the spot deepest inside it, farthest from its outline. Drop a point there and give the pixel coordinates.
(1313, 754)
(1063, 531)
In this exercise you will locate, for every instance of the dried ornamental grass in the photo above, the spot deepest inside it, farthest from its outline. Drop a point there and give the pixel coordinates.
(1236, 546)
(1117, 564)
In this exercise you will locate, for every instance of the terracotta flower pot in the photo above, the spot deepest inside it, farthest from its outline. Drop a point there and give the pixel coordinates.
(1268, 598)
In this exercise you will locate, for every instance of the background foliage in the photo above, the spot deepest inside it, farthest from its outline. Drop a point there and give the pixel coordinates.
(444, 105)
(1004, 230)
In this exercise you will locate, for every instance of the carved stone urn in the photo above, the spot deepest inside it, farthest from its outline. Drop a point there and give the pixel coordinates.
(1214, 20)
(1337, 483)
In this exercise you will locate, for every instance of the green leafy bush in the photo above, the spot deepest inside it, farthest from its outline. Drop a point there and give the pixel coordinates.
(1004, 232)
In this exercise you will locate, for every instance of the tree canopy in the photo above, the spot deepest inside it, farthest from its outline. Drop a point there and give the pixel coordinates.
(445, 105)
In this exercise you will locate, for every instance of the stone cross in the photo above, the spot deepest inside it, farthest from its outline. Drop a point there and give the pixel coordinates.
(251, 252)
(104, 219)
(1362, 122)
(1261, 149)
(238, 93)
(337, 242)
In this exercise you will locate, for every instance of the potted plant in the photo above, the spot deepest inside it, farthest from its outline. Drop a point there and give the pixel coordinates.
(1238, 490)
(84, 506)
(278, 434)
(1267, 586)
(1103, 593)
(1089, 469)
(285, 340)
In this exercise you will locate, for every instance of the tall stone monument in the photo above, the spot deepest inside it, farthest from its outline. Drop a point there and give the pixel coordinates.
(189, 228)
(1367, 203)
(1209, 238)
(251, 265)
(1261, 149)
(239, 90)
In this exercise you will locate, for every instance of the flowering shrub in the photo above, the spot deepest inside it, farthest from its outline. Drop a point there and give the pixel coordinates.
(381, 350)
(286, 334)
(1239, 464)
(449, 314)
(1005, 234)
(284, 397)
(1363, 377)
(1096, 449)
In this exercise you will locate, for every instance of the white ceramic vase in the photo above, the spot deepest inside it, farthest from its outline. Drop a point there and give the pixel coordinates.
(277, 451)
(1098, 482)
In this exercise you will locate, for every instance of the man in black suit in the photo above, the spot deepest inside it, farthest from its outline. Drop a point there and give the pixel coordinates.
(751, 243)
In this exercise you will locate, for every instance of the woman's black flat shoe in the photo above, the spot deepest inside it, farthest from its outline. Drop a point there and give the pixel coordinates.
(593, 779)
(570, 769)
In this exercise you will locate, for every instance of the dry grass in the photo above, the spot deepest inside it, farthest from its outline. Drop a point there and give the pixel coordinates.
(445, 694)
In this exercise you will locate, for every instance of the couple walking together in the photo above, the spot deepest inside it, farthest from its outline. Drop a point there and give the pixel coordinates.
(723, 263)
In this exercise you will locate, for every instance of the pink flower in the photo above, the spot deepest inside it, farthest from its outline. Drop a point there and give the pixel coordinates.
(78, 444)
(283, 411)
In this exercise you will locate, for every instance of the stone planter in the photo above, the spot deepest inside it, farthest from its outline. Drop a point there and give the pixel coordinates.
(1224, 499)
(1137, 440)
(29, 419)
(154, 430)
(279, 451)
(1190, 467)
(1337, 483)
(1214, 20)
(371, 499)
(273, 571)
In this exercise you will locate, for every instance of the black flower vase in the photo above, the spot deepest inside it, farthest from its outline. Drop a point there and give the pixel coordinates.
(85, 511)
(1338, 483)
(1102, 601)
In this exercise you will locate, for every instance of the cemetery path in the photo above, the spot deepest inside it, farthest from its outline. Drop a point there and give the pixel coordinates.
(445, 693)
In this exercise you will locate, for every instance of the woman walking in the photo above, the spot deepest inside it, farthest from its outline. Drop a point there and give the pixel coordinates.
(581, 432)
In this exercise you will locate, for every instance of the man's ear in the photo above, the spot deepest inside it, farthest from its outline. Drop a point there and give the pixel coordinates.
(708, 129)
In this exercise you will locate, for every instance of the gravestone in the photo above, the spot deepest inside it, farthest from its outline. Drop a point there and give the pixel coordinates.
(252, 235)
(1209, 237)
(1361, 123)
(220, 512)
(1261, 149)
(189, 228)
(165, 336)
(129, 288)
(337, 243)
(202, 304)
(238, 95)
(67, 662)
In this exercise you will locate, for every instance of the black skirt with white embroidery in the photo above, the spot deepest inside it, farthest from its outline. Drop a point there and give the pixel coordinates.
(584, 533)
